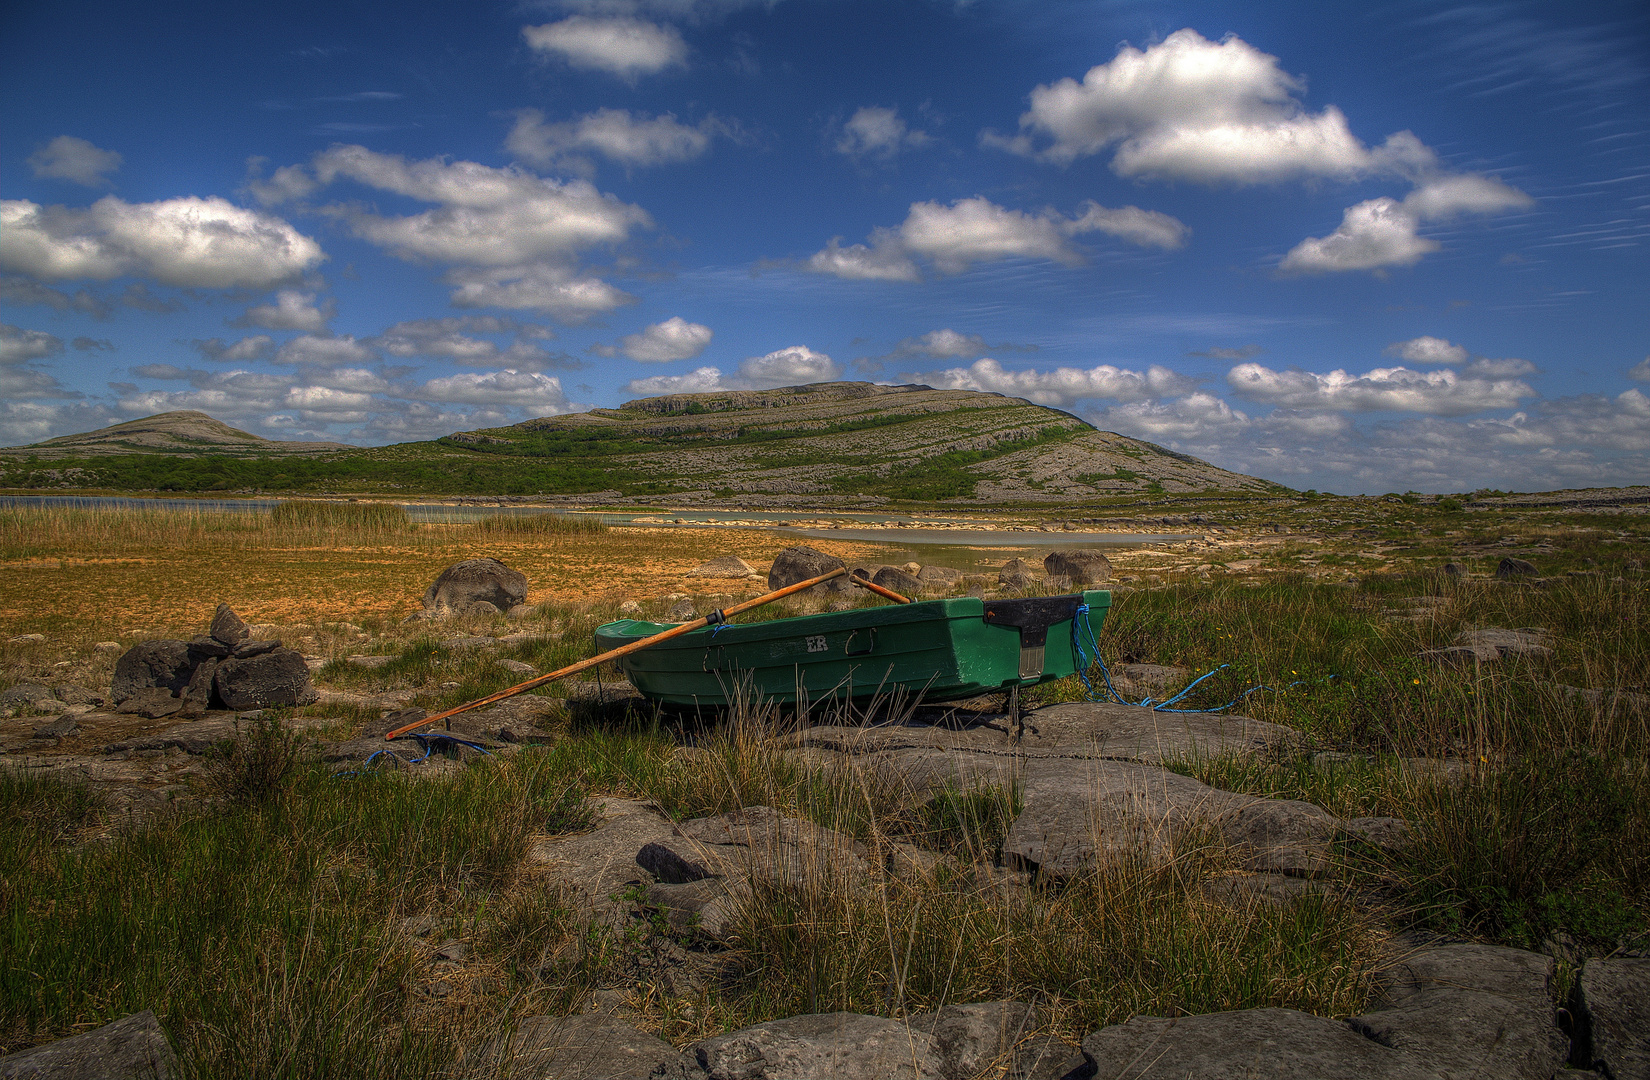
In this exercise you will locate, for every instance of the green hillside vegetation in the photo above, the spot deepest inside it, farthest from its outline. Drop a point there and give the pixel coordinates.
(827, 444)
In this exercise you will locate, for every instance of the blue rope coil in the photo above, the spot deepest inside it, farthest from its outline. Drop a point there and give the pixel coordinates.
(1081, 627)
(429, 741)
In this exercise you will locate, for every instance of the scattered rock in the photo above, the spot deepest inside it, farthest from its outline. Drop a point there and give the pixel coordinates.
(275, 678)
(973, 1038)
(844, 1046)
(725, 566)
(939, 578)
(198, 695)
(33, 694)
(630, 607)
(227, 626)
(1079, 566)
(587, 1047)
(61, 728)
(469, 643)
(151, 701)
(518, 667)
(1019, 574)
(255, 648)
(27, 639)
(680, 612)
(109, 646)
(892, 577)
(369, 662)
(165, 664)
(800, 563)
(75, 694)
(1455, 570)
(1515, 568)
(1613, 998)
(1525, 641)
(519, 612)
(1279, 1044)
(474, 581)
(133, 1048)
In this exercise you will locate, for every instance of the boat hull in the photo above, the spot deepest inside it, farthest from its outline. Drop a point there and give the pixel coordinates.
(942, 649)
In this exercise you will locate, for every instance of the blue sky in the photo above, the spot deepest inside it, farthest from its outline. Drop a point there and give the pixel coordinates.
(1350, 247)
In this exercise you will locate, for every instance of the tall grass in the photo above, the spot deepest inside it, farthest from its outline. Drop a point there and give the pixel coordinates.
(360, 517)
(265, 937)
(530, 526)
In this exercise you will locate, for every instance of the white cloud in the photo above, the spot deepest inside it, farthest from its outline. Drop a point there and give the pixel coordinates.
(1440, 393)
(292, 310)
(942, 345)
(19, 346)
(330, 351)
(164, 372)
(24, 422)
(626, 47)
(968, 231)
(485, 216)
(445, 337)
(547, 288)
(514, 238)
(876, 132)
(795, 365)
(1383, 232)
(69, 158)
(1200, 417)
(256, 347)
(518, 388)
(285, 184)
(1427, 350)
(1062, 386)
(1640, 372)
(1374, 234)
(673, 339)
(187, 242)
(632, 141)
(1189, 108)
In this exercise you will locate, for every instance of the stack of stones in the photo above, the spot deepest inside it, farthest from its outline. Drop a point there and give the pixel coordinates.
(224, 669)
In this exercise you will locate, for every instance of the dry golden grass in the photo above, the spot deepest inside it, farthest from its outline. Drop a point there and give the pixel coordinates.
(118, 572)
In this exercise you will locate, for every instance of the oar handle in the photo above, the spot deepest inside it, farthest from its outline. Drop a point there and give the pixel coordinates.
(623, 650)
(867, 583)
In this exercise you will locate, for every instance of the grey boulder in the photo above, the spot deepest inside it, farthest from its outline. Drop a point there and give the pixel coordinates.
(587, 1047)
(1614, 999)
(800, 563)
(900, 581)
(844, 1046)
(724, 566)
(1510, 567)
(973, 1038)
(165, 664)
(227, 626)
(133, 1048)
(1019, 574)
(276, 678)
(1079, 566)
(475, 581)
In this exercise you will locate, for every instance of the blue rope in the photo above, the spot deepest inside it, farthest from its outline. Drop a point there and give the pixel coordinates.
(428, 740)
(1081, 627)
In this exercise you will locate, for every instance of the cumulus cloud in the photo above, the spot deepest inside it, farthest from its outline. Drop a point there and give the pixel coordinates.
(1640, 372)
(673, 339)
(1566, 442)
(256, 347)
(24, 422)
(634, 141)
(952, 238)
(447, 338)
(519, 388)
(1427, 349)
(76, 160)
(1189, 108)
(1383, 232)
(285, 184)
(1439, 393)
(312, 349)
(795, 365)
(942, 345)
(159, 371)
(87, 344)
(1062, 386)
(626, 47)
(292, 310)
(21, 290)
(19, 346)
(877, 132)
(512, 239)
(187, 242)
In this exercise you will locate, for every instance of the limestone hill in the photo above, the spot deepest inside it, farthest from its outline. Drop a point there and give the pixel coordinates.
(845, 442)
(182, 432)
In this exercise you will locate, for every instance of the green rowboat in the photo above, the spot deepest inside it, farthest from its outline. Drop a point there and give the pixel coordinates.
(941, 649)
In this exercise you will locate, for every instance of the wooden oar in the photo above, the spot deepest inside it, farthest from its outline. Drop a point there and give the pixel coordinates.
(624, 650)
(867, 583)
